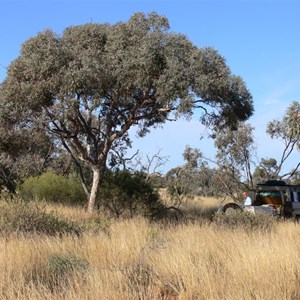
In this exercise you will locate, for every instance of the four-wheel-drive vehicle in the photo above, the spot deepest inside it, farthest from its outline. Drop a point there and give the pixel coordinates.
(272, 197)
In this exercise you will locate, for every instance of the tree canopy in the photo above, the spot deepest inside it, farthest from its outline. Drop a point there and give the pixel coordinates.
(288, 131)
(91, 84)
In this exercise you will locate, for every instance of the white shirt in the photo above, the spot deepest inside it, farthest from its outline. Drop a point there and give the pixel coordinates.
(247, 201)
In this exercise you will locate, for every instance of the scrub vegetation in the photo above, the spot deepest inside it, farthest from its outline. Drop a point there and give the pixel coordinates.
(79, 219)
(194, 258)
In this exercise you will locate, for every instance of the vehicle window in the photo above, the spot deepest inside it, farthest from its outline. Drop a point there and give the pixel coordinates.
(286, 196)
(270, 197)
(296, 196)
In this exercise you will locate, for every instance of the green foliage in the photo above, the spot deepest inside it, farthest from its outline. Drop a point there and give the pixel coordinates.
(178, 181)
(27, 218)
(234, 158)
(288, 131)
(293, 120)
(193, 178)
(235, 154)
(59, 270)
(24, 150)
(125, 193)
(235, 145)
(288, 128)
(61, 264)
(53, 188)
(157, 181)
(181, 180)
(266, 170)
(245, 220)
(94, 82)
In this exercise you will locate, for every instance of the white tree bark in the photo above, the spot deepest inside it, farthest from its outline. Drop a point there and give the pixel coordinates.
(94, 189)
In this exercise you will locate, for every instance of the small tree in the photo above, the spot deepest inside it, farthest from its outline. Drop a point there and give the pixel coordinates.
(267, 170)
(123, 192)
(185, 180)
(234, 159)
(288, 131)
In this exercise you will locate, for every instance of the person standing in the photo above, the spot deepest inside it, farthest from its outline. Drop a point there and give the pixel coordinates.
(247, 199)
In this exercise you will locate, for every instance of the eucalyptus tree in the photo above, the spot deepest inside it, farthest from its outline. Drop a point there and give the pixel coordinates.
(235, 151)
(288, 132)
(187, 180)
(24, 150)
(266, 170)
(94, 82)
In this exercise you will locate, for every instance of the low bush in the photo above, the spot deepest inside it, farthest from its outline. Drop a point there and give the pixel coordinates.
(124, 193)
(23, 217)
(53, 188)
(58, 271)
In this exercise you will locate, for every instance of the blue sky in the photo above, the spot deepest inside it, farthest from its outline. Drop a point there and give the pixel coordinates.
(259, 40)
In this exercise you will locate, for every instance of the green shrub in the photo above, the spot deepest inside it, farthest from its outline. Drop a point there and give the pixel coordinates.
(245, 220)
(128, 193)
(53, 188)
(23, 217)
(61, 264)
(59, 270)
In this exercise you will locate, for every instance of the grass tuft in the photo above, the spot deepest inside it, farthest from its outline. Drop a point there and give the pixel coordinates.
(20, 217)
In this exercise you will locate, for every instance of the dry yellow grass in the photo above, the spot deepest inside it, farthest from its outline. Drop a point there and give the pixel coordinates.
(135, 259)
(194, 205)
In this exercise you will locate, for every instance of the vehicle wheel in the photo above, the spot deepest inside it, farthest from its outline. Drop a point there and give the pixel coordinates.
(230, 208)
(297, 219)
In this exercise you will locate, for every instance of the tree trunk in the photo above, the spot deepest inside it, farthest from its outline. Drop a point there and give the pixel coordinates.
(7, 182)
(94, 190)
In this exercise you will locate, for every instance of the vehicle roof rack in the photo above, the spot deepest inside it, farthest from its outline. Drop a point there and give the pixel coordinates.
(273, 183)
